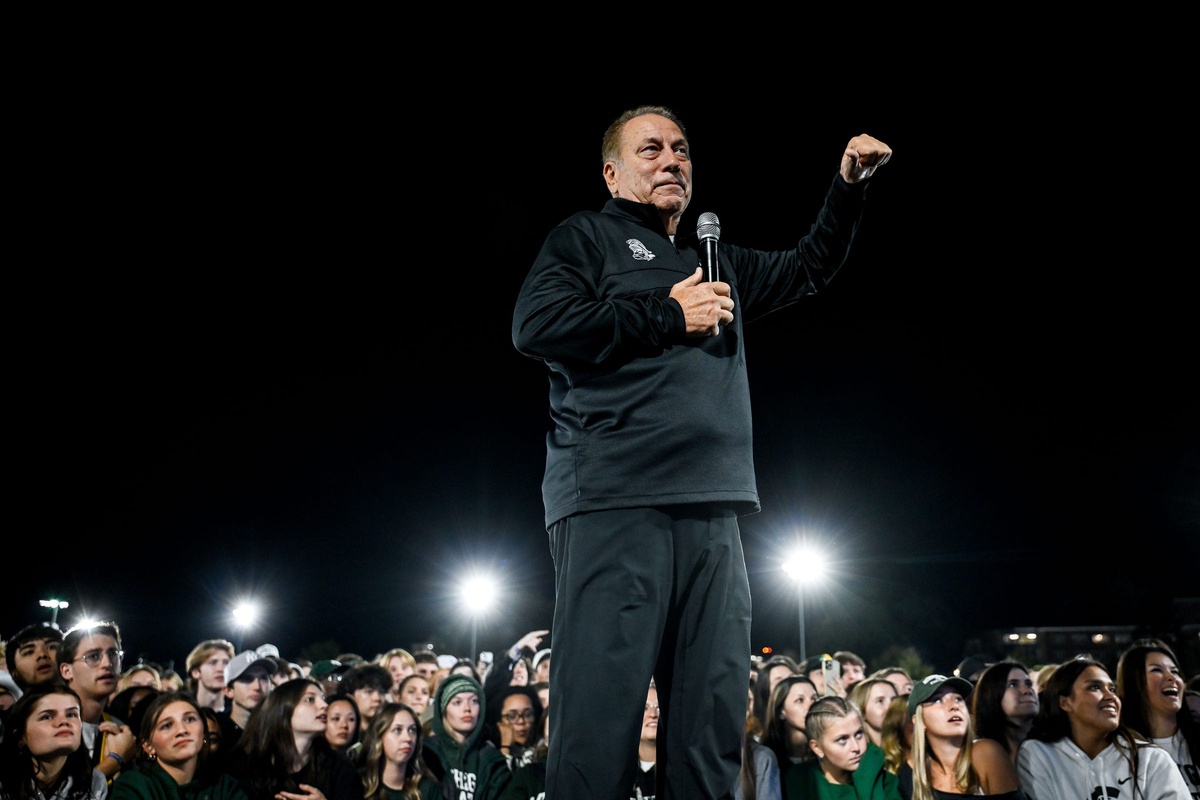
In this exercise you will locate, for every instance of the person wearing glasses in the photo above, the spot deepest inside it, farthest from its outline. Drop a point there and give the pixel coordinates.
(646, 778)
(513, 720)
(89, 661)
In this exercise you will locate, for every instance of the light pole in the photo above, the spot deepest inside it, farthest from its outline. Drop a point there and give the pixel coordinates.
(54, 606)
(478, 594)
(804, 565)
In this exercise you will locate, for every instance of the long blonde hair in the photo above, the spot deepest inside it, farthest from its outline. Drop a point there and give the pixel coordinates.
(965, 777)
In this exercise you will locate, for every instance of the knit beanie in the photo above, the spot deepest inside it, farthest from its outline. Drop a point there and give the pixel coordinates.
(457, 684)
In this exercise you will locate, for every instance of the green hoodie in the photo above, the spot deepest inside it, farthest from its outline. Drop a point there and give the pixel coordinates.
(149, 781)
(474, 769)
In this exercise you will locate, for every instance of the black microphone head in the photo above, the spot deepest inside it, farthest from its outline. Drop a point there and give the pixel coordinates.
(708, 226)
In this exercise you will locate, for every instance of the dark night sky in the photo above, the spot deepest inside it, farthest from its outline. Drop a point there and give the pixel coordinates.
(263, 346)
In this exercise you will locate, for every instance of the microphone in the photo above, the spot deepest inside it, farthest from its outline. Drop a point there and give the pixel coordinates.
(708, 230)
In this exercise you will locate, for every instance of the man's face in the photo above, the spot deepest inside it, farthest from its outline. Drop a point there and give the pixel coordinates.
(851, 674)
(96, 668)
(369, 700)
(211, 672)
(35, 662)
(654, 165)
(249, 688)
(426, 669)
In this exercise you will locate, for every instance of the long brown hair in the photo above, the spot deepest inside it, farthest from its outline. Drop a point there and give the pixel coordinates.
(987, 713)
(270, 745)
(372, 759)
(1135, 696)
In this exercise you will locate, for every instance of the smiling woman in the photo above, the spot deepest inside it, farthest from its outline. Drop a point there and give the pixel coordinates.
(1079, 748)
(1150, 683)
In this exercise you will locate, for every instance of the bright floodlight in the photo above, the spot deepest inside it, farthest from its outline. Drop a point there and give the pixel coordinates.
(245, 614)
(478, 593)
(805, 564)
(54, 606)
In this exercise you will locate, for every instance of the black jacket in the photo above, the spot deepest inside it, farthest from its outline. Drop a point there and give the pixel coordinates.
(642, 414)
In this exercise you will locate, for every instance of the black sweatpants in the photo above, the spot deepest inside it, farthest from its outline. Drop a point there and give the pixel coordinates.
(647, 592)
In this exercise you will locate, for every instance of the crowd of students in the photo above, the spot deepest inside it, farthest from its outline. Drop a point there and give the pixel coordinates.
(78, 724)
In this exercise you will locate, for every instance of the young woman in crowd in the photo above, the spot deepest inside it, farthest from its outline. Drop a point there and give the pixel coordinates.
(415, 692)
(898, 676)
(457, 752)
(946, 758)
(767, 676)
(758, 778)
(1151, 687)
(392, 765)
(529, 781)
(172, 760)
(1004, 705)
(284, 749)
(1079, 748)
(786, 710)
(140, 675)
(873, 696)
(838, 741)
(896, 735)
(42, 756)
(514, 722)
(342, 723)
(400, 664)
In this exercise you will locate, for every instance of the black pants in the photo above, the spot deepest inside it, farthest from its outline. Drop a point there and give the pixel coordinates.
(648, 592)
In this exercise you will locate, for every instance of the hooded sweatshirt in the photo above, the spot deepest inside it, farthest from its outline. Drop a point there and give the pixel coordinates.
(1059, 770)
(474, 768)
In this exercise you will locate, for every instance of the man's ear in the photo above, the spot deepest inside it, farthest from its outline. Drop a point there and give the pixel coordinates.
(610, 177)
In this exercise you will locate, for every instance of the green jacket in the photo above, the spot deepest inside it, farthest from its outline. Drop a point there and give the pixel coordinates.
(149, 781)
(870, 781)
